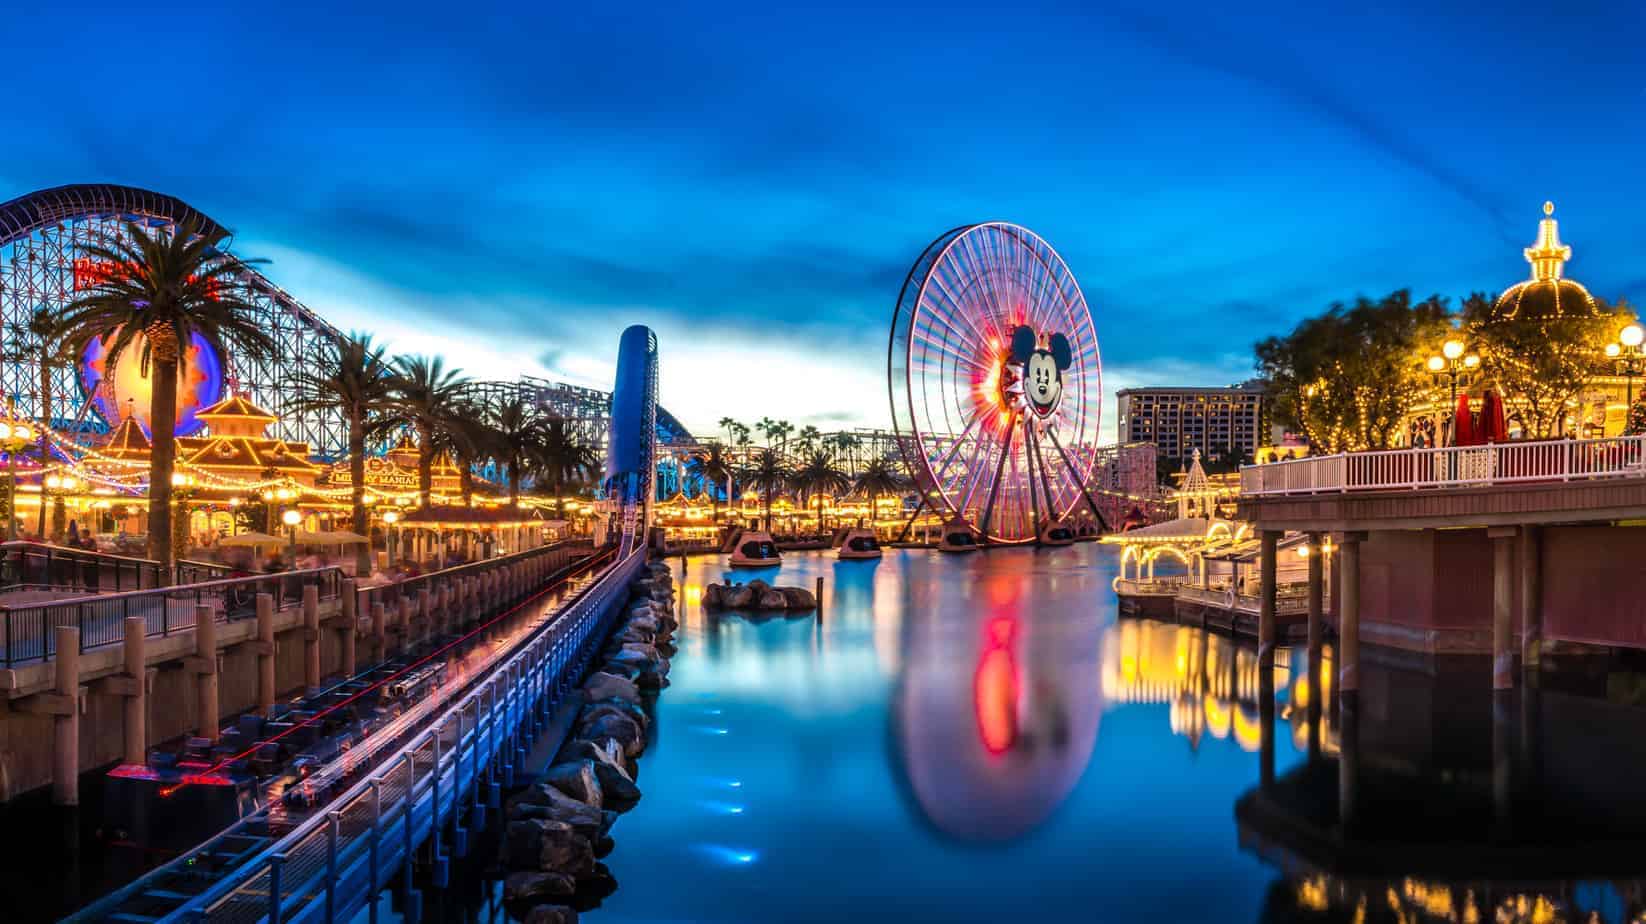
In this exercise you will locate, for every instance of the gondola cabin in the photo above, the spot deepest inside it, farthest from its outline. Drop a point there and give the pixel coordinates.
(857, 544)
(755, 549)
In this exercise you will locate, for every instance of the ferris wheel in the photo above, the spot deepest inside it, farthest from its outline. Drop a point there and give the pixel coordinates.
(995, 381)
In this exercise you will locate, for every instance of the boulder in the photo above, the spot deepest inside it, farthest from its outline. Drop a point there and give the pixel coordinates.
(594, 889)
(641, 589)
(526, 887)
(740, 597)
(602, 685)
(634, 635)
(542, 801)
(576, 779)
(603, 846)
(798, 598)
(523, 842)
(758, 586)
(667, 649)
(607, 755)
(624, 669)
(594, 711)
(624, 730)
(714, 596)
(645, 622)
(552, 914)
(644, 649)
(656, 678)
(773, 600)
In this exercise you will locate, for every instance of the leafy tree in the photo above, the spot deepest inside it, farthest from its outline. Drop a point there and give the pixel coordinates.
(1542, 364)
(427, 395)
(163, 286)
(517, 429)
(1347, 378)
(808, 439)
(464, 434)
(353, 380)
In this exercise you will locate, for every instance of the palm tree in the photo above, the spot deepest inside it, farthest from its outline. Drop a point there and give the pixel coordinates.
(742, 430)
(714, 466)
(730, 426)
(880, 475)
(562, 459)
(808, 439)
(354, 380)
(768, 475)
(426, 394)
(517, 429)
(163, 288)
(781, 429)
(818, 477)
(767, 426)
(463, 433)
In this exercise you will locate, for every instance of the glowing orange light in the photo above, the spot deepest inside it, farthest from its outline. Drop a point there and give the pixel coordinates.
(996, 688)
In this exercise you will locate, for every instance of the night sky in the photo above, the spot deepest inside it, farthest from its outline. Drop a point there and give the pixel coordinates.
(513, 187)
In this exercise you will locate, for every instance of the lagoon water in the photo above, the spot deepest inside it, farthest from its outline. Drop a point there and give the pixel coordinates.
(956, 739)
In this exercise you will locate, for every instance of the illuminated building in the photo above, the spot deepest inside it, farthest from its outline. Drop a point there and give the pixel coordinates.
(1180, 420)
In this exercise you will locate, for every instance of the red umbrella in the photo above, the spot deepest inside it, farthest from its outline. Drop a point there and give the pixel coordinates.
(1496, 430)
(1463, 425)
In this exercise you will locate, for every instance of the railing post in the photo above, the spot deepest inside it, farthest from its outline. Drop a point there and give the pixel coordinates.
(332, 818)
(275, 863)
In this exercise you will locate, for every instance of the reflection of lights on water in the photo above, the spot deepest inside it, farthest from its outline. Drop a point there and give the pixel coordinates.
(732, 856)
(713, 711)
(724, 808)
(995, 689)
(710, 730)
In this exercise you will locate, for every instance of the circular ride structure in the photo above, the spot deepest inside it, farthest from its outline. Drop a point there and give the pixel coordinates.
(995, 381)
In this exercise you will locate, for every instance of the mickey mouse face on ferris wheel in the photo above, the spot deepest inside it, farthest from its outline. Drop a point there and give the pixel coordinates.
(1042, 375)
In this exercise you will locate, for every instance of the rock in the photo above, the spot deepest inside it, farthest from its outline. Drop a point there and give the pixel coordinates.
(758, 586)
(740, 597)
(603, 846)
(624, 730)
(641, 589)
(522, 842)
(602, 685)
(645, 649)
(773, 600)
(552, 914)
(524, 887)
(798, 598)
(645, 622)
(714, 596)
(667, 649)
(640, 608)
(543, 801)
(625, 670)
(576, 779)
(594, 889)
(655, 679)
(593, 712)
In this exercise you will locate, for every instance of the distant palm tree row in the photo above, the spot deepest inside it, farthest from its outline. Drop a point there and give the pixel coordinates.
(813, 471)
(177, 282)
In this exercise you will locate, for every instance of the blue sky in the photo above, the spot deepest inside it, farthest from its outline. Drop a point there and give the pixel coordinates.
(514, 186)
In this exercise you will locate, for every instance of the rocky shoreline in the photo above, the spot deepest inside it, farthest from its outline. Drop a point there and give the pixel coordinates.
(559, 828)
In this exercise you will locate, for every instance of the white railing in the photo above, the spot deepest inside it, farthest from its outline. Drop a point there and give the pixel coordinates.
(1449, 467)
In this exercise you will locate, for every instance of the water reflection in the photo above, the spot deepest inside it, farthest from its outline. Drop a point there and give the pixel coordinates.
(1446, 802)
(998, 703)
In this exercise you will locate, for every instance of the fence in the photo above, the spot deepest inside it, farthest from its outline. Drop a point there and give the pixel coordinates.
(29, 634)
(64, 568)
(1450, 467)
(329, 867)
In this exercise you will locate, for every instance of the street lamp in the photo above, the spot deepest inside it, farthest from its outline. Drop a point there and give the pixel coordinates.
(1627, 357)
(1451, 363)
(56, 487)
(14, 435)
(291, 518)
(390, 517)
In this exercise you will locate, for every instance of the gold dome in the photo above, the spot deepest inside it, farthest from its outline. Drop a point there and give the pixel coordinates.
(1548, 294)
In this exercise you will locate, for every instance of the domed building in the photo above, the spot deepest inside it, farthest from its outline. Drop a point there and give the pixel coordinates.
(1548, 294)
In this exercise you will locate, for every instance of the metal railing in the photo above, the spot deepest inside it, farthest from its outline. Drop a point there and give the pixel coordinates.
(1450, 467)
(29, 628)
(23, 562)
(330, 866)
(389, 594)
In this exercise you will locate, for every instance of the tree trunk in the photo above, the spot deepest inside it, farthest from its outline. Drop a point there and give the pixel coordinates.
(45, 425)
(163, 424)
(514, 482)
(425, 465)
(357, 476)
(820, 513)
(465, 480)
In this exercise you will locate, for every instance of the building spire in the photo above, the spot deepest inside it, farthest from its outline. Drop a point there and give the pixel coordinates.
(1548, 255)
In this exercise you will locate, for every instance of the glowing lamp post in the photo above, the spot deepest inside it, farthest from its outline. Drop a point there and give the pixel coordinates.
(57, 486)
(1627, 355)
(291, 518)
(390, 517)
(14, 435)
(1451, 363)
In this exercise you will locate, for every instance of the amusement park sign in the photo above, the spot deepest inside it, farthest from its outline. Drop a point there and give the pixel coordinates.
(380, 473)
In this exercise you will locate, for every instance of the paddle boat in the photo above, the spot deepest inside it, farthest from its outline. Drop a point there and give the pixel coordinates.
(957, 537)
(1056, 533)
(754, 549)
(857, 543)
